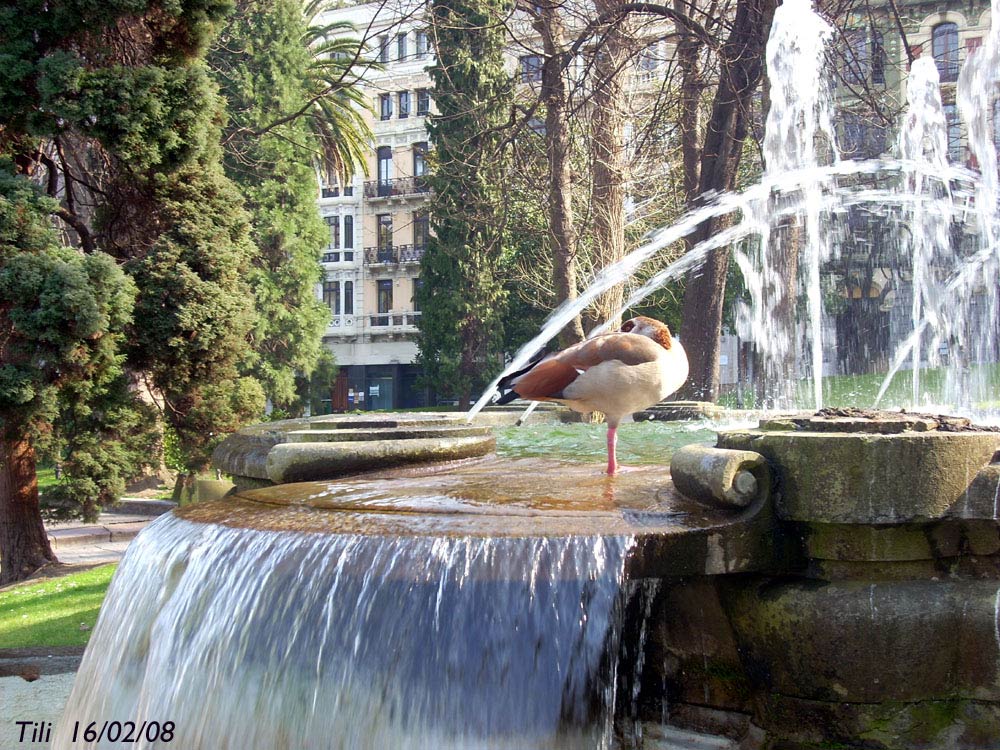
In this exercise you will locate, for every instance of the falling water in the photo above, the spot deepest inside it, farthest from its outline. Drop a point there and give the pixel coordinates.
(798, 123)
(923, 140)
(259, 639)
(967, 312)
(977, 99)
(718, 205)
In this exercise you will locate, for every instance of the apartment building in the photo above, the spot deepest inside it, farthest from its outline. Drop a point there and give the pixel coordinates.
(379, 224)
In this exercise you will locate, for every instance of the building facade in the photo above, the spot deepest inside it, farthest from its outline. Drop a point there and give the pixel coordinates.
(379, 224)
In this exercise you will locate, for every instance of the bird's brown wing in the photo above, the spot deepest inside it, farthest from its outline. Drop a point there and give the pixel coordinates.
(548, 378)
(627, 348)
(545, 380)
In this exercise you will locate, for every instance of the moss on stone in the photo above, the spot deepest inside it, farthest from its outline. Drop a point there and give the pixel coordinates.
(863, 478)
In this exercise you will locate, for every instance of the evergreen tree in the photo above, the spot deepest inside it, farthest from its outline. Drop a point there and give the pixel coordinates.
(109, 105)
(62, 321)
(262, 68)
(462, 294)
(195, 310)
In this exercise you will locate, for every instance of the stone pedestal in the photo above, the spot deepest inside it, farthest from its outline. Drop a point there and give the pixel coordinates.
(883, 628)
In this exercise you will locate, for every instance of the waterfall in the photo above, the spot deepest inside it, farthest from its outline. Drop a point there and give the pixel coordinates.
(261, 639)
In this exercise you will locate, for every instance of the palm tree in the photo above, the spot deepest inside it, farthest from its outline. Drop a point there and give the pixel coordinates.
(337, 106)
(330, 99)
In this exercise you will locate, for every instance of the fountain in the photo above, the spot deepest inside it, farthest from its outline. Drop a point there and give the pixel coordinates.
(820, 580)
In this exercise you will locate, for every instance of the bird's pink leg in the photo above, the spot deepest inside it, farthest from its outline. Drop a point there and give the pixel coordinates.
(612, 445)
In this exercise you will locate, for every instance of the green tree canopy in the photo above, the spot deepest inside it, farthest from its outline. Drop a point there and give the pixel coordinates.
(62, 321)
(263, 70)
(462, 294)
(110, 106)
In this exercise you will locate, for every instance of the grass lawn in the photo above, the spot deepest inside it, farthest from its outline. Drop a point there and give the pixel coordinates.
(861, 390)
(50, 612)
(46, 479)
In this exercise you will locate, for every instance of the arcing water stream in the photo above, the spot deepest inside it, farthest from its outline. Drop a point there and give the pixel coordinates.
(783, 227)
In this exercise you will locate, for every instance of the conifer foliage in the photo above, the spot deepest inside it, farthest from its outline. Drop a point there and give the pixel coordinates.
(62, 319)
(462, 294)
(109, 108)
(262, 67)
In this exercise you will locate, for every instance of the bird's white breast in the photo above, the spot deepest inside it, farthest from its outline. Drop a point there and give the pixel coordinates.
(618, 389)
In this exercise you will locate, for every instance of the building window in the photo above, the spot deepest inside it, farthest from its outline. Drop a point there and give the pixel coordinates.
(862, 139)
(944, 47)
(385, 106)
(649, 60)
(421, 229)
(879, 57)
(401, 46)
(422, 45)
(954, 132)
(384, 170)
(404, 104)
(418, 283)
(384, 233)
(333, 222)
(384, 297)
(331, 296)
(383, 49)
(348, 298)
(855, 68)
(531, 68)
(420, 159)
(349, 231)
(423, 102)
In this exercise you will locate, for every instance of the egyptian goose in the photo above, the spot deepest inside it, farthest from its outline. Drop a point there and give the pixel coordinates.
(617, 373)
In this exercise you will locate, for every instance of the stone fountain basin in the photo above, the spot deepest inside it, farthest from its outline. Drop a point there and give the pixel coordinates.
(493, 497)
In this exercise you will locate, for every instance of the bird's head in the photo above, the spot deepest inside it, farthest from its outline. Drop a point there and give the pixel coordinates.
(650, 328)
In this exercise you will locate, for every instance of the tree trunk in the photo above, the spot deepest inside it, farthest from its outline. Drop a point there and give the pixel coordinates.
(689, 118)
(608, 159)
(562, 229)
(24, 546)
(741, 68)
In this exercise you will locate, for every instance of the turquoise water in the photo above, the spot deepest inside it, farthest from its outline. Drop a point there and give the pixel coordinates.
(638, 443)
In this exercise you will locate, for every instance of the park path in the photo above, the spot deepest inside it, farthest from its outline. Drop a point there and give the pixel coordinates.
(77, 543)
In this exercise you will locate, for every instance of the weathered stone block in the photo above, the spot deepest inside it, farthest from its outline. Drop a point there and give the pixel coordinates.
(303, 462)
(871, 478)
(728, 478)
(869, 642)
(796, 724)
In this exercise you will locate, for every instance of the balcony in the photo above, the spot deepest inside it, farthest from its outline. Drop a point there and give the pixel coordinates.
(391, 321)
(394, 255)
(398, 188)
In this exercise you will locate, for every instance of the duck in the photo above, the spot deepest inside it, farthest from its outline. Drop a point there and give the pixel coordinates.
(615, 373)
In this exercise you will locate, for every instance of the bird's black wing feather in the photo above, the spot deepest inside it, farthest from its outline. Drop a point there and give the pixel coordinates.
(504, 386)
